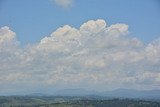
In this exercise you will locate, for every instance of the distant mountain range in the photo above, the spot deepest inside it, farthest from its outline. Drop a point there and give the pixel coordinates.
(119, 93)
(130, 93)
(75, 92)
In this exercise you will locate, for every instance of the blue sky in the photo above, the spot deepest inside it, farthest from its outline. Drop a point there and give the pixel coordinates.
(32, 20)
(47, 45)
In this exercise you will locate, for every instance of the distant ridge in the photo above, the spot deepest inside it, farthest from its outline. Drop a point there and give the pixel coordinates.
(130, 93)
(118, 93)
(76, 92)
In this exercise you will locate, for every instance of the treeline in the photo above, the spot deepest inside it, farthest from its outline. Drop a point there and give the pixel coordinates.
(44, 101)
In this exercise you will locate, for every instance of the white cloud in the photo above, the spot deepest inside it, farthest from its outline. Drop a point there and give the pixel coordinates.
(64, 3)
(153, 51)
(95, 56)
(92, 27)
(6, 35)
(122, 28)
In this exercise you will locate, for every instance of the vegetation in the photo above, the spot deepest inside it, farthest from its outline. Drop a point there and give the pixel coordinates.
(59, 101)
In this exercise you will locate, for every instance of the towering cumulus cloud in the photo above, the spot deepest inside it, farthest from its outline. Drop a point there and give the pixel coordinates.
(96, 56)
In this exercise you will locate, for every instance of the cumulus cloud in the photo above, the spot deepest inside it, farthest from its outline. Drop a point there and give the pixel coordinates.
(92, 27)
(6, 35)
(63, 3)
(95, 56)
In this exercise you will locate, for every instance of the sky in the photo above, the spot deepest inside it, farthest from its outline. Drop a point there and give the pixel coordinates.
(32, 20)
(99, 45)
